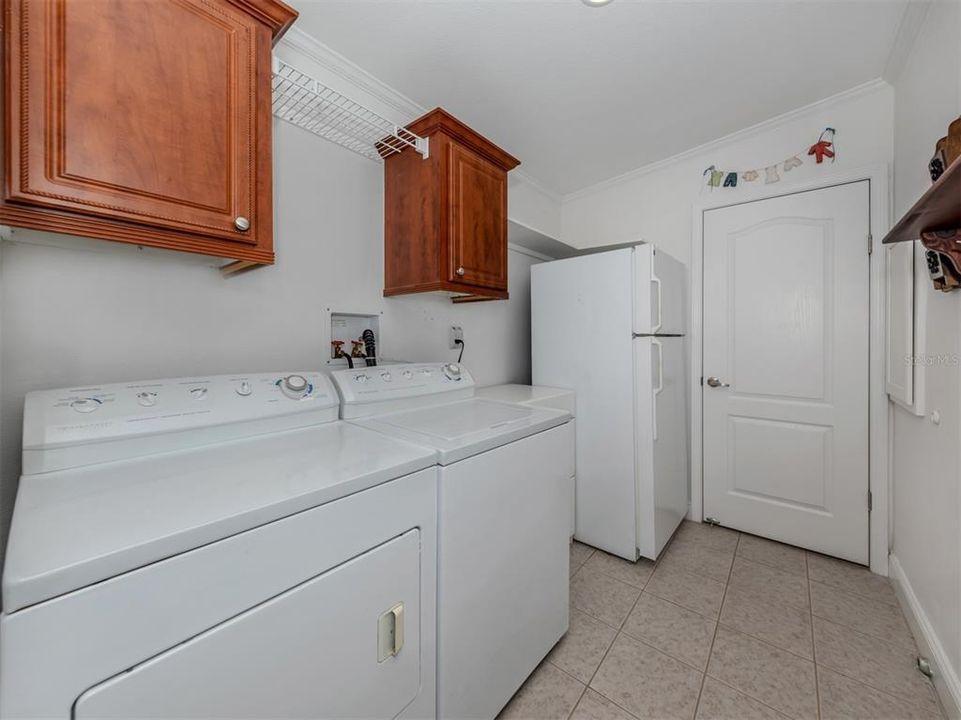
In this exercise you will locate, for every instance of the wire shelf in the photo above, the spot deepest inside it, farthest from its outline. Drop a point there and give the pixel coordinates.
(307, 103)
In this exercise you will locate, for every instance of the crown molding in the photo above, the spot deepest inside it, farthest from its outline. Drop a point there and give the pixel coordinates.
(843, 96)
(911, 21)
(350, 72)
(537, 185)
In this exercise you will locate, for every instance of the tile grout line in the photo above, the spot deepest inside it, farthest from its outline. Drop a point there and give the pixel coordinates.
(814, 650)
(861, 681)
(710, 652)
(861, 599)
(587, 684)
(764, 642)
(617, 632)
(767, 642)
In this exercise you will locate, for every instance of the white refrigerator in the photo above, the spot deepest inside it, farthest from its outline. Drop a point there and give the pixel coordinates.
(610, 325)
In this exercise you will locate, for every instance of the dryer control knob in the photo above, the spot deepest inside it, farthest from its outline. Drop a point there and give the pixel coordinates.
(452, 371)
(295, 386)
(244, 389)
(361, 378)
(86, 405)
(147, 398)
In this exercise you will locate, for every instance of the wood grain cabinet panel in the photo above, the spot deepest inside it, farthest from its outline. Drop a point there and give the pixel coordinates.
(445, 224)
(146, 122)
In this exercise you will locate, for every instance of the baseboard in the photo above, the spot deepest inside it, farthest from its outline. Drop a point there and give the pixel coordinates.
(945, 677)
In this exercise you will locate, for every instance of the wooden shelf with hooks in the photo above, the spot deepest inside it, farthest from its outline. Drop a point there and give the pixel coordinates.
(939, 208)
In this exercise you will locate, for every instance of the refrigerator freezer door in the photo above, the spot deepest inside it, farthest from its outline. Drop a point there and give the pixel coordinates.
(661, 441)
(581, 318)
(659, 282)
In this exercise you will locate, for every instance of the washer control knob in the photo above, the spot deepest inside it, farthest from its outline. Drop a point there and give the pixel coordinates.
(198, 393)
(361, 378)
(147, 398)
(295, 386)
(452, 371)
(244, 389)
(385, 376)
(408, 374)
(86, 405)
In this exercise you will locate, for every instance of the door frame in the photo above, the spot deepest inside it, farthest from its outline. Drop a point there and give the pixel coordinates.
(878, 407)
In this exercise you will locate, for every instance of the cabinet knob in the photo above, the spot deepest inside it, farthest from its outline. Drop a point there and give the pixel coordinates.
(460, 271)
(242, 223)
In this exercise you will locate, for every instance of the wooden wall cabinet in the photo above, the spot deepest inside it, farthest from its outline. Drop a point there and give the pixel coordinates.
(445, 217)
(146, 122)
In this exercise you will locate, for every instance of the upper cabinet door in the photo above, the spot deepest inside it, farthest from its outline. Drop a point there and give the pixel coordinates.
(146, 112)
(478, 220)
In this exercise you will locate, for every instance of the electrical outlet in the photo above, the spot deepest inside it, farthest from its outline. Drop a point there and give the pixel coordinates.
(456, 333)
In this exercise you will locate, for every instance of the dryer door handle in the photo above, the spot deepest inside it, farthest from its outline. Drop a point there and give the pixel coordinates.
(390, 632)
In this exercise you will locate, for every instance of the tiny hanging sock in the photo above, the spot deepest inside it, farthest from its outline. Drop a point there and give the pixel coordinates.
(750, 175)
(824, 147)
(731, 180)
(770, 175)
(792, 163)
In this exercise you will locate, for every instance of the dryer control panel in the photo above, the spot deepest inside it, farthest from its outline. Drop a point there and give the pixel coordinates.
(101, 422)
(375, 390)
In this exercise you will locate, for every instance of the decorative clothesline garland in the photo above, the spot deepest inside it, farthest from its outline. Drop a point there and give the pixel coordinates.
(823, 148)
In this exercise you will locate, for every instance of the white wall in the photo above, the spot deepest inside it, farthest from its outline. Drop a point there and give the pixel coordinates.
(926, 457)
(654, 203)
(78, 311)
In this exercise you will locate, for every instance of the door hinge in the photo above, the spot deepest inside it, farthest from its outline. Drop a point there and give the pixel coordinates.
(702, 381)
(870, 501)
(870, 243)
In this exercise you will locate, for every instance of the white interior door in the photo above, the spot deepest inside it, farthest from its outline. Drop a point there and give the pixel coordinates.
(786, 332)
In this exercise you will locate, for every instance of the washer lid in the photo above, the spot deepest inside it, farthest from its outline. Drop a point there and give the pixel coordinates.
(72, 528)
(461, 429)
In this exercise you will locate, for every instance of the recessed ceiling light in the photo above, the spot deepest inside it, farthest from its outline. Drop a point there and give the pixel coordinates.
(595, 3)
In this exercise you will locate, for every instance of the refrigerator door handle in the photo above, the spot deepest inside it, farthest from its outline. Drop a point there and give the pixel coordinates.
(660, 383)
(657, 281)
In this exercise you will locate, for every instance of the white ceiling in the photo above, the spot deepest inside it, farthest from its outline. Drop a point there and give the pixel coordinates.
(584, 94)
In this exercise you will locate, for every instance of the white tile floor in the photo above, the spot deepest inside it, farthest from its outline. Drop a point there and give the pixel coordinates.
(728, 625)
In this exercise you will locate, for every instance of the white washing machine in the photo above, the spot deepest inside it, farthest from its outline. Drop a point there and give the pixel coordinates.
(217, 547)
(549, 397)
(503, 504)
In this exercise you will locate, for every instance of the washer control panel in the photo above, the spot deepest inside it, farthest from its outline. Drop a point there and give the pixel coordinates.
(390, 383)
(101, 413)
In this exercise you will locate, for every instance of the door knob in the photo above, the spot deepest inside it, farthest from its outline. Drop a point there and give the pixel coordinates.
(242, 223)
(460, 271)
(714, 382)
